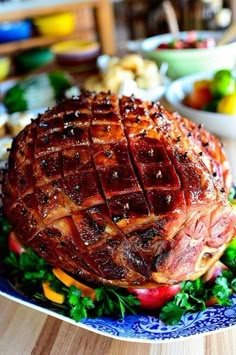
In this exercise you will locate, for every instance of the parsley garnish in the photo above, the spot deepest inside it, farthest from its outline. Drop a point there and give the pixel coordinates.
(194, 296)
(115, 300)
(222, 290)
(27, 271)
(191, 298)
(79, 305)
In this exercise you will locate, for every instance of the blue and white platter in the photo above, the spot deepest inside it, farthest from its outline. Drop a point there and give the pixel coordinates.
(140, 328)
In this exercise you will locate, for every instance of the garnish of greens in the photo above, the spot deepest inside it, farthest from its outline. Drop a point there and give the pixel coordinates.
(27, 272)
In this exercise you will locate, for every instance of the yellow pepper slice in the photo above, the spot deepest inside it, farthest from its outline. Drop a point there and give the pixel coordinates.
(69, 281)
(51, 294)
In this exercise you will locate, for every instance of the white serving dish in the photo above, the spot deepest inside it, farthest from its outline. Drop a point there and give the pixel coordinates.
(219, 124)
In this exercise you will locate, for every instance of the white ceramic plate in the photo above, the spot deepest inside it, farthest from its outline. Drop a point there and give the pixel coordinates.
(219, 124)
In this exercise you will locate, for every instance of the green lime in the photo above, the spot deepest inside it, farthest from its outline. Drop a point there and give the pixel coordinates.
(223, 83)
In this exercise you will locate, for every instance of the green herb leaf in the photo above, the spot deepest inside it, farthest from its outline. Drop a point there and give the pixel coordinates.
(171, 313)
(74, 295)
(116, 301)
(222, 290)
(79, 305)
(233, 284)
(229, 256)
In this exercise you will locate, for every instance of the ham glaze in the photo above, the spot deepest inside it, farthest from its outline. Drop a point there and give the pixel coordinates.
(120, 191)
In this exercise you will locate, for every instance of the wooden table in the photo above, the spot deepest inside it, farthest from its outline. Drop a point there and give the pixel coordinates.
(24, 331)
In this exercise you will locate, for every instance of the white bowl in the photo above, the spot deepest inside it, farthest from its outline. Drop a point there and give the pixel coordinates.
(221, 125)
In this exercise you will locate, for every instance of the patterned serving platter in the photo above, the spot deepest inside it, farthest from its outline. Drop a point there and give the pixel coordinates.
(140, 328)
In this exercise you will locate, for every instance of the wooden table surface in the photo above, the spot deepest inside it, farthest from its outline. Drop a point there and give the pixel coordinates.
(26, 331)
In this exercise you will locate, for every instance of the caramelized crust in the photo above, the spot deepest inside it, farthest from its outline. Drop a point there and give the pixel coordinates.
(120, 191)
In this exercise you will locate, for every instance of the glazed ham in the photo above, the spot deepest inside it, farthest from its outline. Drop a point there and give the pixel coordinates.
(120, 191)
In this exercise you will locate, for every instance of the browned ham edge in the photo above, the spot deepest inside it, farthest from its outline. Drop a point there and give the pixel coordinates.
(120, 191)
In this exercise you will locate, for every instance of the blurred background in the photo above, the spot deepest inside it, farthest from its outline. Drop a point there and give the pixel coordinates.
(24, 34)
(146, 18)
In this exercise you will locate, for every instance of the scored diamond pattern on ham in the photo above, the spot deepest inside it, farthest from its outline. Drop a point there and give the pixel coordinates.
(120, 191)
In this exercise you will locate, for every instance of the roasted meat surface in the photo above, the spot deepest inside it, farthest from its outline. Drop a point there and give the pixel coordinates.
(120, 191)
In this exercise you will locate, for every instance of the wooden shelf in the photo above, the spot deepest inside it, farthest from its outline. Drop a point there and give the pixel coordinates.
(38, 9)
(103, 23)
(14, 47)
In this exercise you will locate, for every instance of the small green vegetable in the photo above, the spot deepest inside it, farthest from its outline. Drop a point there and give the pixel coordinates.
(60, 82)
(36, 91)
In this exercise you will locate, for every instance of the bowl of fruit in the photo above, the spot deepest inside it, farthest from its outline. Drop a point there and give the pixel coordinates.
(209, 98)
(192, 52)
